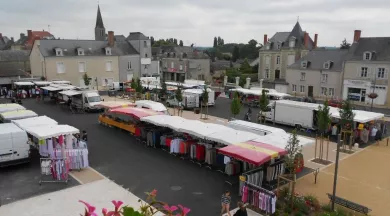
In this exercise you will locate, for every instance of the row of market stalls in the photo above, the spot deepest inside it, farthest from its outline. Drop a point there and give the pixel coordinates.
(61, 148)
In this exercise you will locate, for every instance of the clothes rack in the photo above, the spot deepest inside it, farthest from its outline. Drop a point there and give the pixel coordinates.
(259, 197)
(54, 170)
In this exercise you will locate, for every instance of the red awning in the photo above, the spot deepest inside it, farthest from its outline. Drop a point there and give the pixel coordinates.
(135, 112)
(253, 152)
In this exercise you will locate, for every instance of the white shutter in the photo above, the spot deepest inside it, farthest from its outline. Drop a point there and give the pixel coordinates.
(386, 73)
(82, 67)
(109, 66)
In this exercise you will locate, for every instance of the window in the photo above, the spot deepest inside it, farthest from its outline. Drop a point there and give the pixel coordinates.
(367, 56)
(304, 64)
(267, 46)
(290, 59)
(109, 66)
(324, 78)
(108, 51)
(59, 53)
(60, 67)
(82, 67)
(381, 73)
(172, 64)
(145, 44)
(302, 89)
(267, 60)
(326, 65)
(277, 60)
(181, 67)
(294, 88)
(146, 55)
(303, 76)
(266, 75)
(129, 65)
(364, 72)
(331, 92)
(323, 91)
(291, 43)
(80, 51)
(278, 46)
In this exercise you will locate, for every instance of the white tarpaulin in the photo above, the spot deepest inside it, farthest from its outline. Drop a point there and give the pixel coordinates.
(39, 83)
(360, 115)
(60, 82)
(34, 121)
(51, 88)
(49, 131)
(231, 136)
(10, 107)
(281, 140)
(24, 83)
(201, 129)
(164, 120)
(70, 93)
(18, 114)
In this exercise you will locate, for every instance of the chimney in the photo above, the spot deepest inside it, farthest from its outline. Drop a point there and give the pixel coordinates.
(12, 39)
(29, 34)
(111, 38)
(356, 36)
(306, 40)
(22, 35)
(265, 39)
(315, 40)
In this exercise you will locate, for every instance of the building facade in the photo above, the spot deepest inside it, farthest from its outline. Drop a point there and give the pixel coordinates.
(180, 63)
(318, 74)
(366, 70)
(14, 64)
(280, 51)
(26, 42)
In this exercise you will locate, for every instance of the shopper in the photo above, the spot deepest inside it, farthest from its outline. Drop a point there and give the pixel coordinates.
(373, 133)
(241, 210)
(334, 132)
(84, 136)
(225, 201)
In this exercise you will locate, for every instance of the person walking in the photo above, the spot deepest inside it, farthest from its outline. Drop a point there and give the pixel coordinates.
(241, 210)
(373, 133)
(225, 201)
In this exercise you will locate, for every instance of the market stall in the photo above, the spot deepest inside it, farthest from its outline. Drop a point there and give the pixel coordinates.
(10, 107)
(61, 82)
(7, 117)
(109, 105)
(42, 83)
(34, 122)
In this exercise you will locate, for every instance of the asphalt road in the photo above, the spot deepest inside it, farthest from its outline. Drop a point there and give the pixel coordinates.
(116, 155)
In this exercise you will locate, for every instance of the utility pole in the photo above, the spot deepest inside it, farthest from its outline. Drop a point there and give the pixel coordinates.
(336, 170)
(373, 91)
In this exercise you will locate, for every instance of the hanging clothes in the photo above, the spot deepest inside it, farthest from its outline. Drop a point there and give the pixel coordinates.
(260, 198)
(69, 141)
(175, 145)
(274, 171)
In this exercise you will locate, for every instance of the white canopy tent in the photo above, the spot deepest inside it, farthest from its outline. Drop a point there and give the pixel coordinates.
(201, 129)
(10, 107)
(34, 122)
(24, 83)
(231, 136)
(281, 140)
(70, 93)
(48, 131)
(51, 88)
(18, 114)
(60, 82)
(361, 116)
(42, 83)
(173, 122)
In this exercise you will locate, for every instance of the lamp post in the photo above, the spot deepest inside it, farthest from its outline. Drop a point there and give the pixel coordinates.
(373, 92)
(336, 169)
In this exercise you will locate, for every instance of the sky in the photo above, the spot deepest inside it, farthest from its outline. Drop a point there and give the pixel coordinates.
(199, 21)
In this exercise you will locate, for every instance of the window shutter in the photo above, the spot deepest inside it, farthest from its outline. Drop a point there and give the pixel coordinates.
(386, 73)
(358, 72)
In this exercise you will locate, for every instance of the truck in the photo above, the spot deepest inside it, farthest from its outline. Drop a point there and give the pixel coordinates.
(14, 145)
(189, 101)
(87, 100)
(292, 113)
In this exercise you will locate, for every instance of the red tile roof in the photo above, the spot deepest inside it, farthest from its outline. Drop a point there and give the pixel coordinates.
(37, 34)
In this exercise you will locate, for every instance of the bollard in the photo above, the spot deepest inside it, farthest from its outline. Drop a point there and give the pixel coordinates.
(316, 171)
(387, 141)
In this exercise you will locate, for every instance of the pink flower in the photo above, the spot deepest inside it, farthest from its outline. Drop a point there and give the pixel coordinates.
(170, 209)
(90, 211)
(184, 210)
(117, 205)
(104, 211)
(153, 193)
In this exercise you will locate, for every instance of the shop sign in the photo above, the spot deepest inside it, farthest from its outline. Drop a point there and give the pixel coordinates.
(356, 83)
(243, 178)
(172, 70)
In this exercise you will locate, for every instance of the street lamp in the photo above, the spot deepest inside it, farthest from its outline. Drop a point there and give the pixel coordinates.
(336, 170)
(373, 95)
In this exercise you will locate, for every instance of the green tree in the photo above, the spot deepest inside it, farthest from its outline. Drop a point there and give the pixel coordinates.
(151, 41)
(263, 103)
(235, 106)
(215, 44)
(163, 91)
(236, 54)
(344, 44)
(323, 123)
(181, 43)
(293, 151)
(205, 100)
(87, 80)
(179, 94)
(346, 121)
(175, 41)
(245, 68)
(138, 87)
(219, 41)
(133, 84)
(222, 42)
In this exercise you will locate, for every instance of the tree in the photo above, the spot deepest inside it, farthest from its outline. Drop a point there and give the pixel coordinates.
(245, 68)
(133, 84)
(181, 43)
(205, 101)
(215, 44)
(293, 155)
(175, 41)
(222, 42)
(255, 68)
(235, 106)
(151, 41)
(346, 121)
(163, 91)
(178, 94)
(323, 123)
(87, 80)
(263, 103)
(138, 87)
(236, 54)
(219, 41)
(344, 44)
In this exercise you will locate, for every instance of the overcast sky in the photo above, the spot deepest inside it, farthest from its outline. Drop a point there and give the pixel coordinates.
(198, 21)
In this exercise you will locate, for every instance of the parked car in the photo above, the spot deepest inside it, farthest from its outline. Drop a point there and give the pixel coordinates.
(303, 99)
(335, 103)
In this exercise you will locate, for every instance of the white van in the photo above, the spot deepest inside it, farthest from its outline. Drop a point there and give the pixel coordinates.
(10, 107)
(259, 129)
(152, 105)
(89, 100)
(199, 92)
(14, 147)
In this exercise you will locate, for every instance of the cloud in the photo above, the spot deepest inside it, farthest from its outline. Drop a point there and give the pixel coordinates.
(199, 21)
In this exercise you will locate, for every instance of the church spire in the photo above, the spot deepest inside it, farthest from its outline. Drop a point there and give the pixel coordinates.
(99, 19)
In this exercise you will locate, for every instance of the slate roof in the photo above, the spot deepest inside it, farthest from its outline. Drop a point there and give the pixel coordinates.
(283, 38)
(137, 36)
(22, 40)
(5, 43)
(99, 19)
(318, 57)
(190, 51)
(222, 64)
(14, 55)
(120, 38)
(379, 45)
(91, 48)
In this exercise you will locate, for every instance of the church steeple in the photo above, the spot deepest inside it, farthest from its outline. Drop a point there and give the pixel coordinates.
(100, 31)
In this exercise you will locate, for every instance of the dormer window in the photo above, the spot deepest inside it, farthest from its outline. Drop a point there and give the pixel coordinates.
(327, 64)
(108, 50)
(279, 45)
(304, 64)
(268, 46)
(367, 55)
(291, 42)
(59, 52)
(80, 51)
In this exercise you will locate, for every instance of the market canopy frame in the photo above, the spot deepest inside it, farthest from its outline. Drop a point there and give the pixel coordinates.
(18, 114)
(49, 131)
(34, 122)
(135, 112)
(11, 107)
